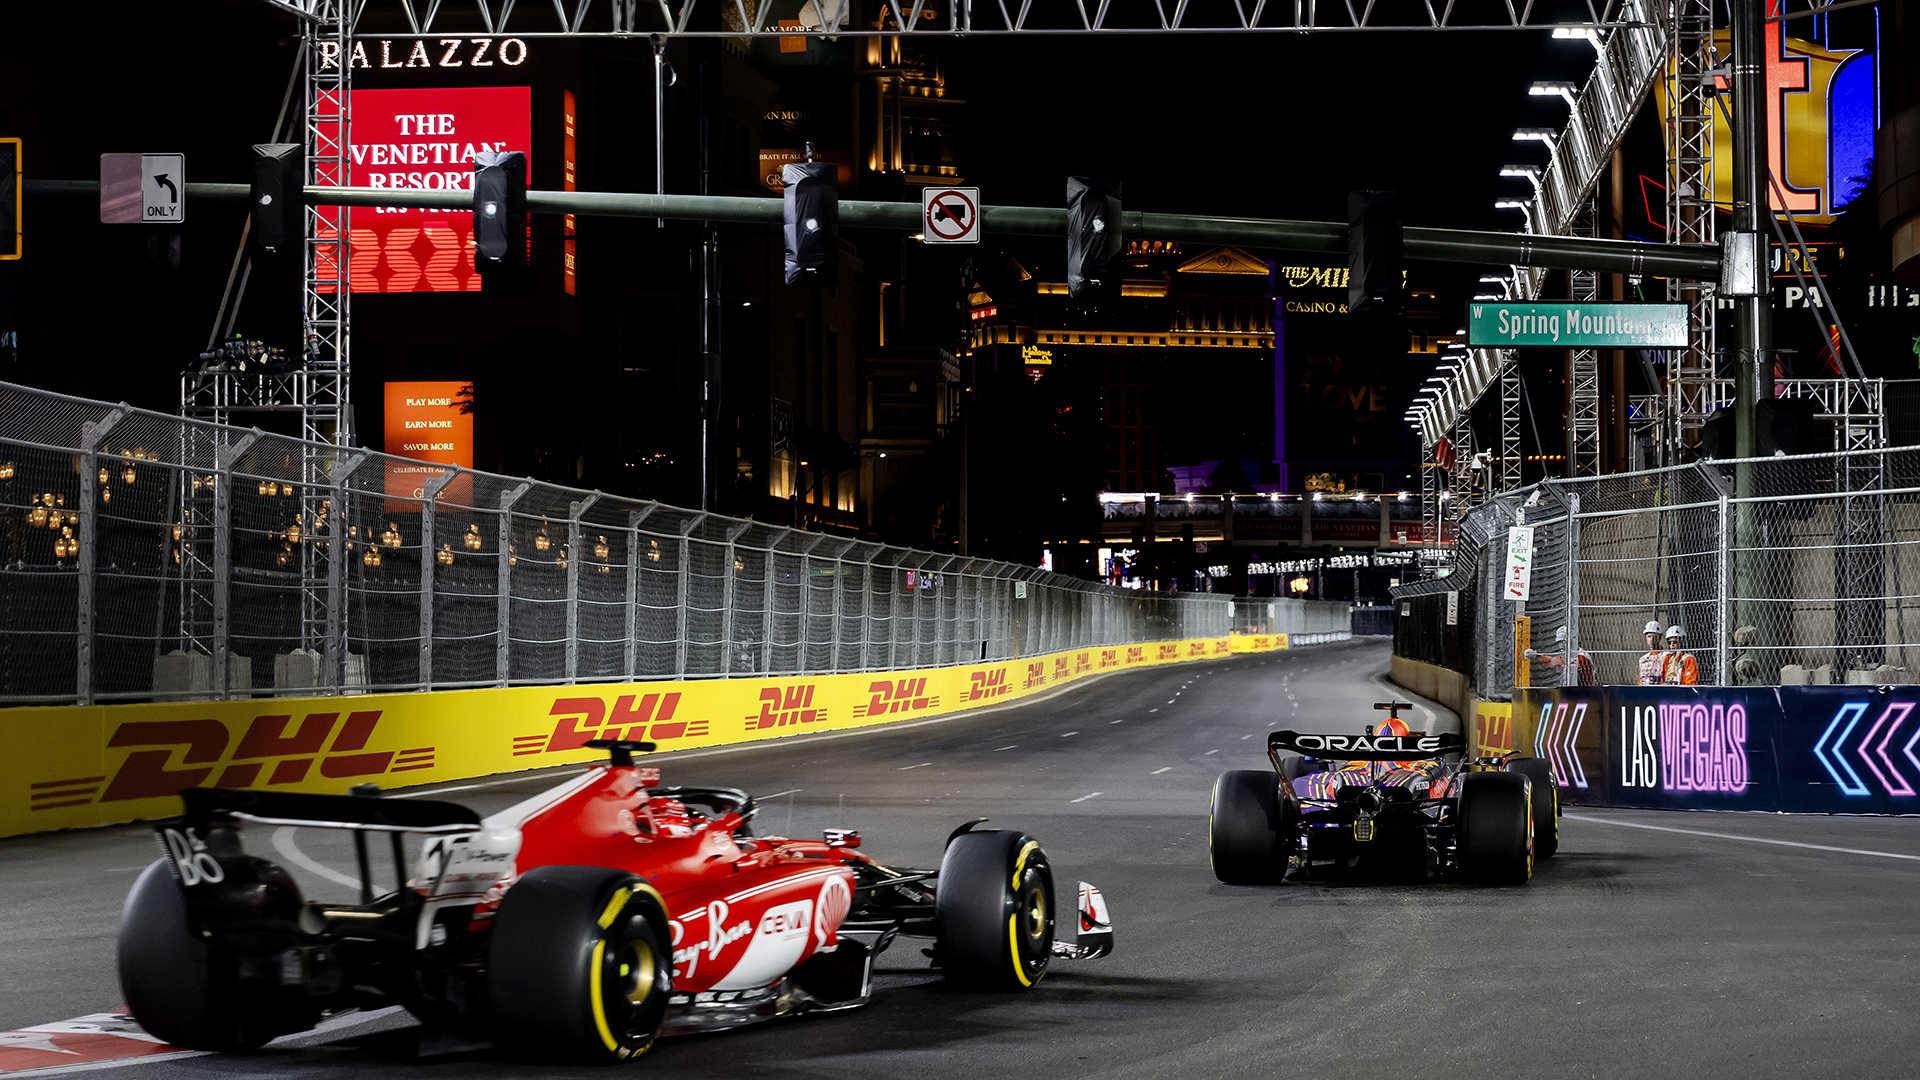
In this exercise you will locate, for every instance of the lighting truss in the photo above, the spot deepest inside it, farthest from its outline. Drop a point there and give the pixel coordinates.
(973, 18)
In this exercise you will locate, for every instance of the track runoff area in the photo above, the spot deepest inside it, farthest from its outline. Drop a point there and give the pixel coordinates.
(1659, 944)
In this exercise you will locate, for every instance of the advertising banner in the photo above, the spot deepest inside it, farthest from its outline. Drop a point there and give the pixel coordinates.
(1785, 749)
(92, 765)
(424, 422)
(425, 139)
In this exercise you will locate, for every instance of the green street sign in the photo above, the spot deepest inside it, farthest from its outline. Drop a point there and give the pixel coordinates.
(1493, 325)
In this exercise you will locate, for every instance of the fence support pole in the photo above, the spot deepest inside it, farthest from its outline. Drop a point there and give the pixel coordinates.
(223, 461)
(839, 607)
(1724, 573)
(503, 592)
(574, 559)
(731, 572)
(1570, 670)
(428, 496)
(633, 588)
(680, 607)
(84, 559)
(805, 608)
(333, 659)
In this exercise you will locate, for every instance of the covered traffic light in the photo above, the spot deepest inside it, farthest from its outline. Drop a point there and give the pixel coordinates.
(276, 197)
(812, 208)
(1373, 253)
(1094, 243)
(499, 211)
(12, 181)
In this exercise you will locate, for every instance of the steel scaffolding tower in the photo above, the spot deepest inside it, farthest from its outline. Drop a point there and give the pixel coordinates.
(1583, 422)
(1689, 88)
(1510, 475)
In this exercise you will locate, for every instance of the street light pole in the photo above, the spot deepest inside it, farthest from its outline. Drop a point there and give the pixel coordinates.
(1744, 278)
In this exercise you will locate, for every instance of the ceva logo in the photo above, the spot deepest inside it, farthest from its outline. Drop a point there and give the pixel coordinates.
(202, 750)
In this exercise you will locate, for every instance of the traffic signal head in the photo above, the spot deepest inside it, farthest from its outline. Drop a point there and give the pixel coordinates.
(1094, 242)
(1373, 253)
(499, 211)
(812, 210)
(276, 197)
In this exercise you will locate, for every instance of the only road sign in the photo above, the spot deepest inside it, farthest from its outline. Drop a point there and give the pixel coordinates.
(950, 215)
(1498, 325)
(138, 188)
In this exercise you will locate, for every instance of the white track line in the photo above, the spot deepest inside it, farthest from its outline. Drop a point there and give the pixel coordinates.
(922, 765)
(1164, 768)
(1736, 836)
(1084, 798)
(1069, 734)
(110, 1063)
(283, 843)
(1009, 746)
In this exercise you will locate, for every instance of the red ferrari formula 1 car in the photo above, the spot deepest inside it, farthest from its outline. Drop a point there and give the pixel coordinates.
(581, 924)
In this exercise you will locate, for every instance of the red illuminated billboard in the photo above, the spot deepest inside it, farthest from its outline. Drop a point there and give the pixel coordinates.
(425, 139)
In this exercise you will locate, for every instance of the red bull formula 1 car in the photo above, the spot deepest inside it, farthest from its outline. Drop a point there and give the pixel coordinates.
(581, 924)
(1392, 802)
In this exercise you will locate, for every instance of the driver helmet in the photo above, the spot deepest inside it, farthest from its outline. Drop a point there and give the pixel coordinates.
(1393, 726)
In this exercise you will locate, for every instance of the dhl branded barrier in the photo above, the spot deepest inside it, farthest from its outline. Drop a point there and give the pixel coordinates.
(1791, 749)
(71, 766)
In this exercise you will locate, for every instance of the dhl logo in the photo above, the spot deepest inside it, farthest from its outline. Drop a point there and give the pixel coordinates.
(583, 718)
(1170, 651)
(1109, 658)
(987, 684)
(1136, 654)
(780, 707)
(1196, 648)
(1082, 663)
(1262, 643)
(1062, 668)
(889, 697)
(1496, 733)
(202, 746)
(1036, 675)
(1222, 646)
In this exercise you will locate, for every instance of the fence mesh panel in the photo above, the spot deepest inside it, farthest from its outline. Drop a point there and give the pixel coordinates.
(1783, 570)
(184, 560)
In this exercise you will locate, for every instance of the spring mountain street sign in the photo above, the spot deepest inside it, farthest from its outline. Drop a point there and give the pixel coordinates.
(1495, 325)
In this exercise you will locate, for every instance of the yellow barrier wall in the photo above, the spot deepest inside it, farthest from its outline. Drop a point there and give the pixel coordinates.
(68, 766)
(1491, 733)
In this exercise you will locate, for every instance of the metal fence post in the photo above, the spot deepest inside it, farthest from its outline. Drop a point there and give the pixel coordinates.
(1724, 608)
(428, 496)
(866, 612)
(224, 459)
(804, 614)
(90, 435)
(574, 511)
(334, 652)
(1570, 669)
(503, 592)
(680, 608)
(730, 569)
(838, 607)
(634, 519)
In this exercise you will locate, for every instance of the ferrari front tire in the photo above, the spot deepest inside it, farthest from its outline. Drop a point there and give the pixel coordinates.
(579, 967)
(993, 911)
(1496, 828)
(1244, 839)
(1546, 804)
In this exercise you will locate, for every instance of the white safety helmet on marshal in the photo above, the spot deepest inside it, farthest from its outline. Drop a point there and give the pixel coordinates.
(1675, 631)
(1652, 627)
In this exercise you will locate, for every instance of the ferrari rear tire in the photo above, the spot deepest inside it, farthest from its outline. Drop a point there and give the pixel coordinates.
(579, 968)
(993, 911)
(1244, 838)
(1546, 804)
(1496, 828)
(188, 992)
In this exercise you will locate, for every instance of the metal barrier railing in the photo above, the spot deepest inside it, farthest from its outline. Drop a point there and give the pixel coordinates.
(147, 557)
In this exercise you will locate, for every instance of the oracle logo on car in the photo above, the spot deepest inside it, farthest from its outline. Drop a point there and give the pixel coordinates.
(1411, 745)
(203, 747)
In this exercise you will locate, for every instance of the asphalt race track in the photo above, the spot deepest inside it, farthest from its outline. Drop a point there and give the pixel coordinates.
(1656, 944)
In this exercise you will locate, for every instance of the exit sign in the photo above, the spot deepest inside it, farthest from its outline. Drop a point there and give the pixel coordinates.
(1576, 326)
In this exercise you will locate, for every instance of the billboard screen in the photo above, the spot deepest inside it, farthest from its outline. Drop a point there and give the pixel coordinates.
(425, 139)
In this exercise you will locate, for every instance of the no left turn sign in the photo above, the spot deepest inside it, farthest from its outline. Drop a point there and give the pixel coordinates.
(950, 215)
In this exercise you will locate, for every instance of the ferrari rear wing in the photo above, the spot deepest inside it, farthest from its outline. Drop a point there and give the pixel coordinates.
(1366, 747)
(206, 805)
